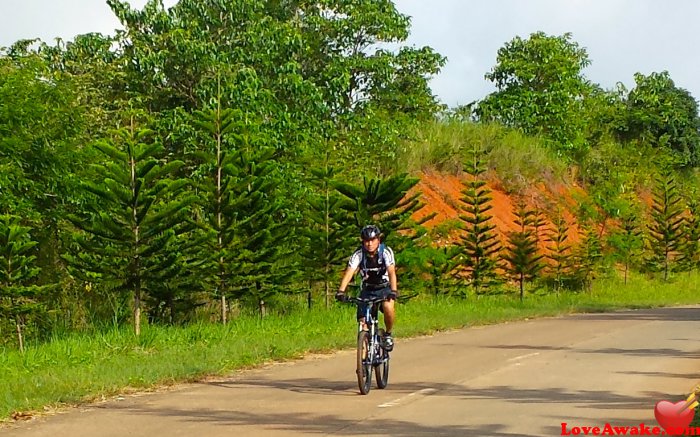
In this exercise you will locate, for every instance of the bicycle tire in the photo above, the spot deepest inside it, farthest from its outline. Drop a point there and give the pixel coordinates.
(381, 370)
(364, 363)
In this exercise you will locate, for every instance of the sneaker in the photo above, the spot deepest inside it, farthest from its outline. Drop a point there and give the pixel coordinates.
(388, 342)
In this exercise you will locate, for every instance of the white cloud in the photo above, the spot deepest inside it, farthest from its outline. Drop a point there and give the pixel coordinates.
(49, 19)
(622, 37)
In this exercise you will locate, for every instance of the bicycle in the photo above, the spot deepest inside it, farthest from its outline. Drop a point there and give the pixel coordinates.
(371, 354)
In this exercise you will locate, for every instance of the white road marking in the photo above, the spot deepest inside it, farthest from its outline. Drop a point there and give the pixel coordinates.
(425, 391)
(520, 357)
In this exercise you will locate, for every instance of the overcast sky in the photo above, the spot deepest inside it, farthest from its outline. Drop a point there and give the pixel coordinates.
(621, 36)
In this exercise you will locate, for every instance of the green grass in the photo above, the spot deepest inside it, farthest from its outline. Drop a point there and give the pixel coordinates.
(518, 160)
(80, 368)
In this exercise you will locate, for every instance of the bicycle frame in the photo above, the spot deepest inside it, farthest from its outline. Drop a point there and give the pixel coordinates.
(371, 321)
(371, 355)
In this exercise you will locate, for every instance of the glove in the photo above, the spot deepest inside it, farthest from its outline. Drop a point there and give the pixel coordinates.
(393, 294)
(341, 297)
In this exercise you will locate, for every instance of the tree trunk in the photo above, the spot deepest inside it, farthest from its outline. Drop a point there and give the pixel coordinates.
(171, 306)
(327, 290)
(223, 309)
(522, 286)
(308, 295)
(137, 310)
(263, 310)
(20, 339)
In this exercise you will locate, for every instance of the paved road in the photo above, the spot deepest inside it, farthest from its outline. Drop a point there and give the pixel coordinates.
(516, 379)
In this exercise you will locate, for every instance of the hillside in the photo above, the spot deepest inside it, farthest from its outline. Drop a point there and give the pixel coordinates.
(441, 193)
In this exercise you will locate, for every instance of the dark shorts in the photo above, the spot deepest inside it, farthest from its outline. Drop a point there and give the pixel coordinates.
(368, 292)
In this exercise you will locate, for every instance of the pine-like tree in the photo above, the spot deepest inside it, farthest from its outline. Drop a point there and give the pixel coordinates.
(228, 200)
(388, 204)
(690, 256)
(587, 255)
(522, 260)
(129, 231)
(478, 258)
(665, 236)
(440, 267)
(559, 251)
(327, 235)
(539, 225)
(384, 202)
(627, 243)
(180, 292)
(17, 269)
(267, 264)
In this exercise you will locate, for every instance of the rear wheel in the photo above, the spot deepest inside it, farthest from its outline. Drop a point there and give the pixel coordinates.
(381, 370)
(364, 362)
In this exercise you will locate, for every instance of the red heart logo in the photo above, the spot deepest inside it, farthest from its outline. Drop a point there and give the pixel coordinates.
(674, 418)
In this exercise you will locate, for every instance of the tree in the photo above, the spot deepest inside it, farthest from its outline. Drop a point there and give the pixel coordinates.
(129, 231)
(664, 238)
(540, 89)
(243, 216)
(327, 232)
(17, 269)
(662, 115)
(690, 256)
(559, 250)
(345, 56)
(387, 203)
(476, 261)
(587, 255)
(523, 262)
(627, 242)
(41, 123)
(373, 95)
(384, 202)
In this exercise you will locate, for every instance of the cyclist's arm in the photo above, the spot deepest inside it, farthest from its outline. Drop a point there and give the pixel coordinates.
(347, 277)
(391, 270)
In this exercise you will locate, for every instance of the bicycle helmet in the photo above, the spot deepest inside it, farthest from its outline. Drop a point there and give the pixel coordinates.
(369, 232)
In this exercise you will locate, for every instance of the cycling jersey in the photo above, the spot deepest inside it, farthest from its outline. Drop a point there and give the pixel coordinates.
(373, 269)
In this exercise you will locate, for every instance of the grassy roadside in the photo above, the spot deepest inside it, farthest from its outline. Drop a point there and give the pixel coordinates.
(80, 368)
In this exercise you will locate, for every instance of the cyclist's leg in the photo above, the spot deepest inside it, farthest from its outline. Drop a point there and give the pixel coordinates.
(387, 309)
(389, 314)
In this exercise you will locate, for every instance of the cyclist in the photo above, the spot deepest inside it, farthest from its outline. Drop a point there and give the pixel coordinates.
(376, 264)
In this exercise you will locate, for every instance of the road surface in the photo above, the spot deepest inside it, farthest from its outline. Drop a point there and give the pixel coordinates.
(515, 379)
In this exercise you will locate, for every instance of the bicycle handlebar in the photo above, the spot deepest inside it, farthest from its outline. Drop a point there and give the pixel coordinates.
(367, 300)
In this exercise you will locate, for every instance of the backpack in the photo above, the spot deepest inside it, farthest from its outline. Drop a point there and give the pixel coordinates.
(373, 275)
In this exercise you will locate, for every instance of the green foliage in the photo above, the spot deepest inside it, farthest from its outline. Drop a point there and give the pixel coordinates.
(228, 199)
(664, 238)
(328, 232)
(540, 89)
(690, 250)
(476, 261)
(523, 262)
(520, 160)
(317, 95)
(440, 265)
(559, 255)
(383, 202)
(627, 242)
(664, 116)
(18, 296)
(587, 256)
(129, 231)
(41, 125)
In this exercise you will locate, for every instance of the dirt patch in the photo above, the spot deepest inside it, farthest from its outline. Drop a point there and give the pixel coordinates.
(442, 195)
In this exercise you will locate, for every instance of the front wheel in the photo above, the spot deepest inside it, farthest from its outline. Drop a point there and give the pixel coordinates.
(364, 362)
(381, 368)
